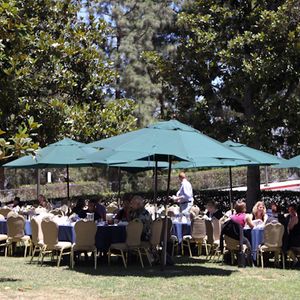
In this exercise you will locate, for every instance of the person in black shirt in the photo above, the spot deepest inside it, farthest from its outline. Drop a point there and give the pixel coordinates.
(212, 211)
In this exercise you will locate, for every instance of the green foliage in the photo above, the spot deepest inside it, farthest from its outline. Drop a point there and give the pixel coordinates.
(137, 26)
(21, 143)
(236, 71)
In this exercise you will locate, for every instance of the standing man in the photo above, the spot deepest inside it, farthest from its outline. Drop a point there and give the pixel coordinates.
(184, 196)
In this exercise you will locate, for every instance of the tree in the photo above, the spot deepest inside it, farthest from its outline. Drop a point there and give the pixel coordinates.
(236, 73)
(138, 26)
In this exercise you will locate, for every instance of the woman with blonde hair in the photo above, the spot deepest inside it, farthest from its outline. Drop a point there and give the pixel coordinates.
(259, 212)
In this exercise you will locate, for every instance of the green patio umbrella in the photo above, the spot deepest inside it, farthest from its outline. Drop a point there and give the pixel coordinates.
(262, 158)
(290, 163)
(63, 154)
(168, 141)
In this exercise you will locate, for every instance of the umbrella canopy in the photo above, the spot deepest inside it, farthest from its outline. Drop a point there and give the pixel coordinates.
(290, 163)
(60, 154)
(139, 166)
(261, 157)
(167, 141)
(213, 163)
(169, 138)
(63, 154)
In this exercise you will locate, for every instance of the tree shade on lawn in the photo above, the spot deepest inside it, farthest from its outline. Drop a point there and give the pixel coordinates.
(168, 141)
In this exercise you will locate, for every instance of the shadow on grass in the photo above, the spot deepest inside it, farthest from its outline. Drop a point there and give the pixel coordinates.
(6, 279)
(184, 267)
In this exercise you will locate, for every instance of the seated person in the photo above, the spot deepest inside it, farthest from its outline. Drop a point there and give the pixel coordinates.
(124, 213)
(242, 219)
(240, 215)
(43, 202)
(92, 209)
(100, 209)
(259, 212)
(138, 211)
(79, 209)
(294, 239)
(212, 211)
(274, 214)
(291, 218)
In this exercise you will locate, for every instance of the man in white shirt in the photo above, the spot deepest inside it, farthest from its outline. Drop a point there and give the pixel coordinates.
(184, 196)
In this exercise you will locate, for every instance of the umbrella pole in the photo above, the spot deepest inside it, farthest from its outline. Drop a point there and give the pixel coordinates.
(266, 176)
(68, 183)
(38, 183)
(230, 189)
(119, 187)
(164, 249)
(155, 187)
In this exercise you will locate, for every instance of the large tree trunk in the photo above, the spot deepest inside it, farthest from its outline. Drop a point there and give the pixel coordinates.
(253, 186)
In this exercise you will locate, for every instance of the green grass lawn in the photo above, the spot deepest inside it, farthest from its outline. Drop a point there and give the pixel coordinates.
(188, 279)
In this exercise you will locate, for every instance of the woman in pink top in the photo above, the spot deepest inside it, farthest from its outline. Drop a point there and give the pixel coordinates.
(240, 216)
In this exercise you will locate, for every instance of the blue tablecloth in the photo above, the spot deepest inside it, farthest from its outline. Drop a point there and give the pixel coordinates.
(255, 237)
(3, 227)
(180, 229)
(105, 235)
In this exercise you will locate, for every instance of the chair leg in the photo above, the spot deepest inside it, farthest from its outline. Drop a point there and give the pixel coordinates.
(283, 260)
(95, 259)
(59, 258)
(182, 249)
(25, 250)
(262, 259)
(232, 257)
(141, 259)
(123, 257)
(33, 253)
(108, 257)
(72, 263)
(189, 246)
(148, 257)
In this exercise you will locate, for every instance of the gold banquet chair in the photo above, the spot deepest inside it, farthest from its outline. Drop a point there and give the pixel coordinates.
(154, 243)
(36, 237)
(4, 211)
(133, 242)
(51, 243)
(273, 234)
(85, 232)
(198, 236)
(16, 234)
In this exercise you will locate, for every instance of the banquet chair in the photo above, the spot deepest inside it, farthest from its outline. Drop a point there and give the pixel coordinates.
(37, 237)
(51, 243)
(133, 242)
(4, 211)
(15, 233)
(154, 243)
(85, 232)
(273, 234)
(171, 238)
(216, 226)
(198, 236)
(195, 210)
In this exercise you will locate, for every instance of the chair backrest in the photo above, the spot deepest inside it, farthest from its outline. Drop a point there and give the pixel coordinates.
(4, 211)
(36, 230)
(216, 228)
(50, 232)
(231, 244)
(15, 226)
(198, 231)
(209, 231)
(156, 230)
(195, 210)
(85, 232)
(273, 234)
(134, 233)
